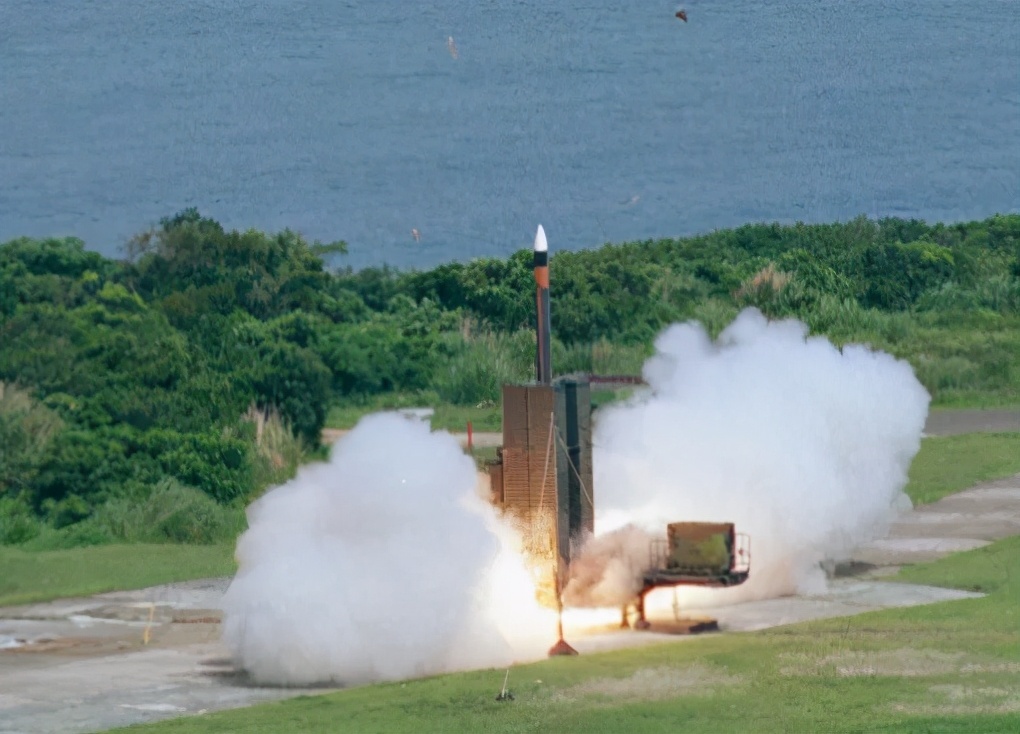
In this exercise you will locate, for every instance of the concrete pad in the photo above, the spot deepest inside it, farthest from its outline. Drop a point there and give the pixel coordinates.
(984, 526)
(1000, 495)
(900, 552)
(119, 690)
(104, 675)
(843, 598)
(959, 522)
(927, 546)
(197, 594)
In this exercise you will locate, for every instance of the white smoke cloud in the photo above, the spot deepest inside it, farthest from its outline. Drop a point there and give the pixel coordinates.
(386, 563)
(804, 446)
(381, 564)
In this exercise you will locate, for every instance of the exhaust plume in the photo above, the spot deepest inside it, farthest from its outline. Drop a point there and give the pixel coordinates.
(381, 564)
(608, 571)
(803, 445)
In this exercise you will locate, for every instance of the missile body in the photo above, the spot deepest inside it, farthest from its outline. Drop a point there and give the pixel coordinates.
(543, 357)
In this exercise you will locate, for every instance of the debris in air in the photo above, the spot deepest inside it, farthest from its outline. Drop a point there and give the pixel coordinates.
(451, 46)
(505, 695)
(682, 15)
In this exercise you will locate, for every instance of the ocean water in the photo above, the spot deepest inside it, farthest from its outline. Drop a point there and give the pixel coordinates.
(604, 121)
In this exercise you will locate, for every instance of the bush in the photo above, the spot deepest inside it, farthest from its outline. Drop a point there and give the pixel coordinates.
(217, 463)
(172, 513)
(295, 382)
(278, 452)
(17, 522)
(79, 535)
(26, 429)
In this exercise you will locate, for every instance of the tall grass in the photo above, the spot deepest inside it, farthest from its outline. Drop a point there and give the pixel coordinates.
(715, 315)
(962, 357)
(18, 524)
(278, 452)
(26, 429)
(601, 358)
(481, 364)
(169, 513)
(172, 513)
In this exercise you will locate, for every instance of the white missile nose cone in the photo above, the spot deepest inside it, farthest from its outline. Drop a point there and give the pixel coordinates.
(540, 243)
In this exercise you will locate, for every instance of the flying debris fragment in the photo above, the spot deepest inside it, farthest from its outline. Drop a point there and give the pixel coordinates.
(416, 234)
(451, 46)
(682, 15)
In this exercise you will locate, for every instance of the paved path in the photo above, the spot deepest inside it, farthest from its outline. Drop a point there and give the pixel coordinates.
(961, 521)
(82, 665)
(952, 422)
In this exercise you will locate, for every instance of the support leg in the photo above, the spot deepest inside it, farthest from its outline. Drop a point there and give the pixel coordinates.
(642, 622)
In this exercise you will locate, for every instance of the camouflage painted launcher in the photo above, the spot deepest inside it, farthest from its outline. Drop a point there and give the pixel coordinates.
(700, 554)
(700, 549)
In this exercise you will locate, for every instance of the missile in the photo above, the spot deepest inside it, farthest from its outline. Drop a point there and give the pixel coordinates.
(543, 356)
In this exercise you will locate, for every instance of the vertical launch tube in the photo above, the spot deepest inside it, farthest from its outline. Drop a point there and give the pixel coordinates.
(543, 357)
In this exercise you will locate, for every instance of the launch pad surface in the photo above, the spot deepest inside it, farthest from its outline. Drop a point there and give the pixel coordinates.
(682, 626)
(95, 672)
(87, 674)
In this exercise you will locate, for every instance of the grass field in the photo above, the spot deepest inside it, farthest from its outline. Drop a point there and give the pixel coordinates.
(947, 464)
(949, 667)
(39, 576)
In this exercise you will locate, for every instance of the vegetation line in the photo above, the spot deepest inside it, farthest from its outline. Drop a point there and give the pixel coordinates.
(149, 399)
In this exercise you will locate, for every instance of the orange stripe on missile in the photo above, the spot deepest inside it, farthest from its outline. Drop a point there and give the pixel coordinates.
(542, 277)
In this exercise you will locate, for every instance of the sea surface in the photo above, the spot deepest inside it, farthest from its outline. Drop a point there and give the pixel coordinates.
(471, 121)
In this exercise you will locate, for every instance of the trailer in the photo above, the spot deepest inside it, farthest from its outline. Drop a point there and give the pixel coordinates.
(693, 554)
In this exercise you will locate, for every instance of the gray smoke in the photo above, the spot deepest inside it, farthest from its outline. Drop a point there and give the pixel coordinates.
(608, 572)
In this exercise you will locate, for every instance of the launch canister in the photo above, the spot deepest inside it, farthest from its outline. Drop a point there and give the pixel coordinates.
(543, 357)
